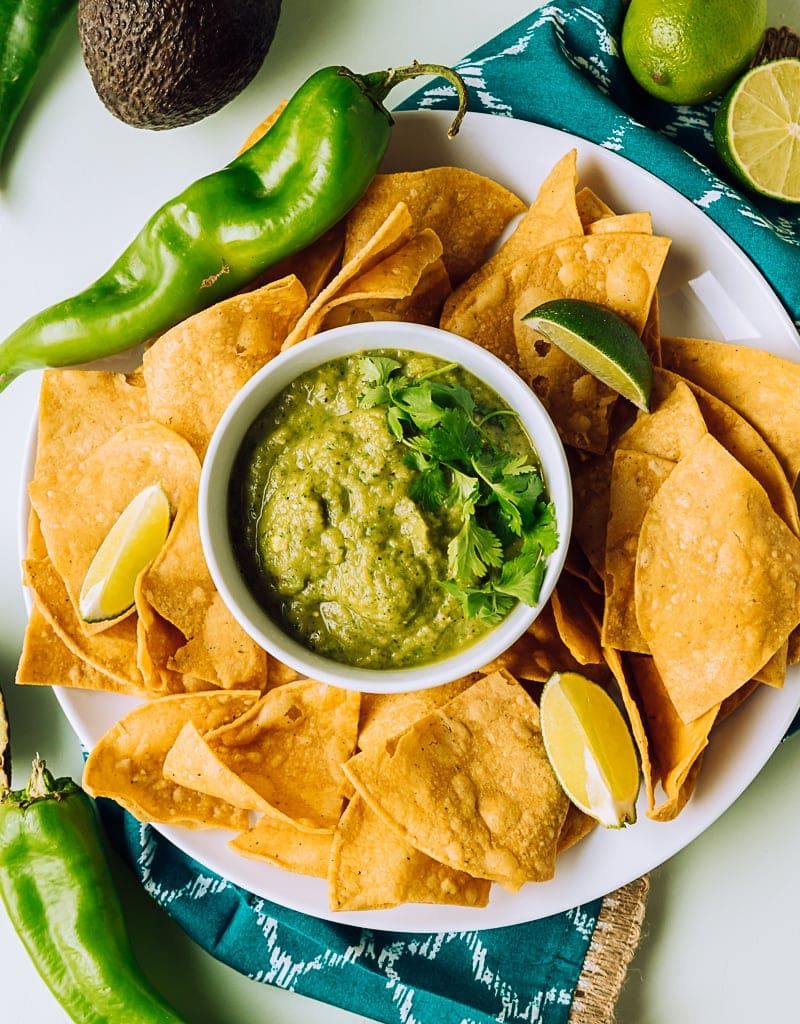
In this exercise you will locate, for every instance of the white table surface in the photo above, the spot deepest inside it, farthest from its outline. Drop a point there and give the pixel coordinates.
(722, 932)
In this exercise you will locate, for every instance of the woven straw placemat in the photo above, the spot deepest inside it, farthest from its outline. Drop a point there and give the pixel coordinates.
(614, 942)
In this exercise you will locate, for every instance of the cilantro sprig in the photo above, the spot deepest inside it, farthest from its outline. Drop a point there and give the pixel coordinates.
(507, 525)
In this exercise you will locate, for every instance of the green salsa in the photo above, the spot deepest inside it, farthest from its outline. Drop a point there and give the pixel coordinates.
(325, 525)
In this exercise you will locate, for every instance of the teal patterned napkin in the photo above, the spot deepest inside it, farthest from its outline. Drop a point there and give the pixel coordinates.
(560, 67)
(524, 973)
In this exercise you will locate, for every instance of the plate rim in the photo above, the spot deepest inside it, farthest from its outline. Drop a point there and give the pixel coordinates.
(423, 917)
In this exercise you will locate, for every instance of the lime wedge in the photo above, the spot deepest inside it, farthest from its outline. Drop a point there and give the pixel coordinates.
(129, 546)
(601, 342)
(757, 130)
(590, 748)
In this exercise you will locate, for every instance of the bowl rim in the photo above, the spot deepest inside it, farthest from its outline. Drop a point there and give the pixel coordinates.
(266, 384)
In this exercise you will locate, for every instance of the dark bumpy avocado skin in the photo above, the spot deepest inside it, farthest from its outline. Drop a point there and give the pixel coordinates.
(165, 63)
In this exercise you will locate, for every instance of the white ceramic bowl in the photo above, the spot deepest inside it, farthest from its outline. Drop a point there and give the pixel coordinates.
(266, 385)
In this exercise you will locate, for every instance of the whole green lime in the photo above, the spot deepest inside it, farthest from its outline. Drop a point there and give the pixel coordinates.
(688, 51)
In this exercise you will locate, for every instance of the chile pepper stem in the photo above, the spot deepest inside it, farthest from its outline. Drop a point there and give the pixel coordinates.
(41, 782)
(379, 84)
(42, 785)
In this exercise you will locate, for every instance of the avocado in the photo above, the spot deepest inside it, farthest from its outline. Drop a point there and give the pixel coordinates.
(165, 63)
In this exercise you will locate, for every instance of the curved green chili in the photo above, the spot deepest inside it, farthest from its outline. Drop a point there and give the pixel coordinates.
(57, 886)
(290, 187)
(27, 31)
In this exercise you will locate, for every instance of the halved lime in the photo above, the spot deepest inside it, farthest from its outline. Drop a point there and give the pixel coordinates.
(590, 748)
(601, 341)
(757, 130)
(129, 546)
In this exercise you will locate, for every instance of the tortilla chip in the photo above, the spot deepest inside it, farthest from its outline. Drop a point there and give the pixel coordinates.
(484, 209)
(194, 370)
(47, 661)
(409, 283)
(744, 442)
(495, 812)
(773, 672)
(392, 235)
(577, 826)
(591, 207)
(191, 762)
(675, 746)
(289, 749)
(717, 579)
(579, 404)
(646, 453)
(386, 715)
(673, 425)
(538, 653)
(373, 867)
(157, 642)
(126, 763)
(532, 656)
(591, 482)
(618, 663)
(551, 217)
(635, 480)
(286, 846)
(760, 386)
(735, 701)
(639, 222)
(482, 308)
(112, 651)
(619, 270)
(577, 565)
(651, 332)
(576, 626)
(79, 410)
(278, 673)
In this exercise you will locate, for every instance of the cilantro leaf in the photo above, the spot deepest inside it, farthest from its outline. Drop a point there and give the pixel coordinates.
(429, 487)
(480, 603)
(452, 396)
(394, 420)
(378, 369)
(518, 497)
(521, 577)
(472, 551)
(543, 529)
(417, 402)
(377, 372)
(455, 439)
(463, 493)
(372, 396)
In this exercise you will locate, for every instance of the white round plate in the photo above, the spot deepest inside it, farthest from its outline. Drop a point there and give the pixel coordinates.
(709, 289)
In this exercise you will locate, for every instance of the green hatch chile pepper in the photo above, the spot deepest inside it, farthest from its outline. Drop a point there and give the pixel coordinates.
(57, 886)
(281, 194)
(27, 30)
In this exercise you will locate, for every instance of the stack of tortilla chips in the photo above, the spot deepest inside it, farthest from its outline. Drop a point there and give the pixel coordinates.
(681, 595)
